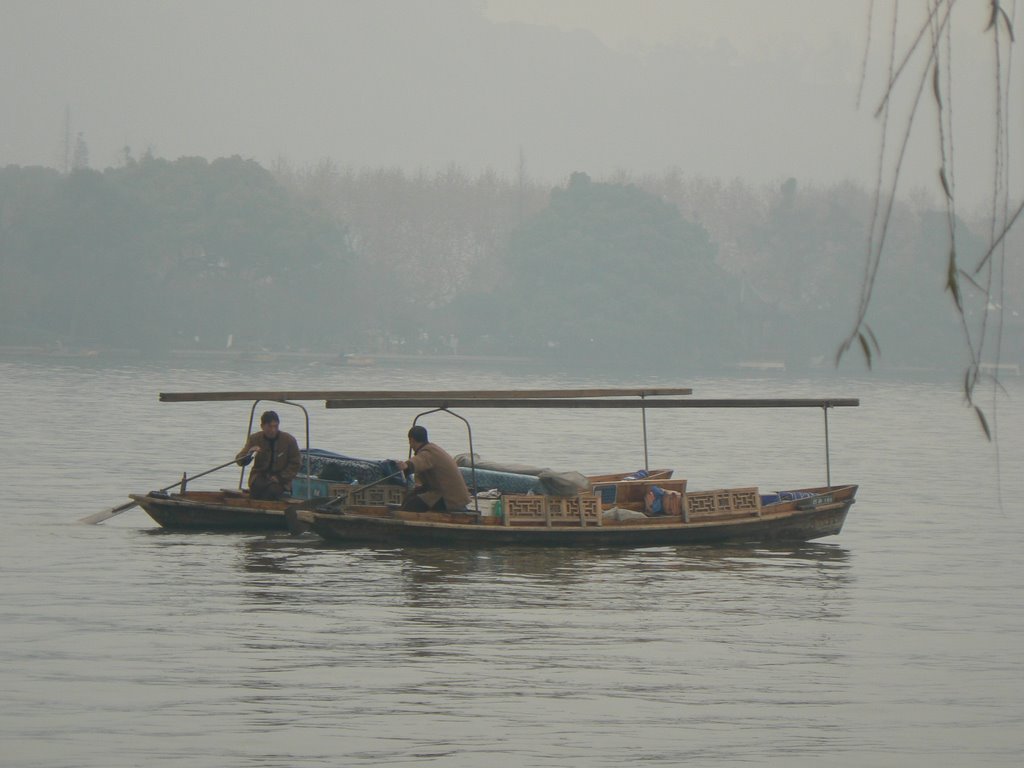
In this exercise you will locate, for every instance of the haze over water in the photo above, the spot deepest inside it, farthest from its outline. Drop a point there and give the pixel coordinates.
(735, 89)
(897, 643)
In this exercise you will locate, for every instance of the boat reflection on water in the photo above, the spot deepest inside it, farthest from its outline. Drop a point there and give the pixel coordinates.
(722, 578)
(278, 554)
(574, 564)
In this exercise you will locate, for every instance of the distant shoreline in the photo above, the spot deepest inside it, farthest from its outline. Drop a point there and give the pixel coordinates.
(257, 356)
(755, 369)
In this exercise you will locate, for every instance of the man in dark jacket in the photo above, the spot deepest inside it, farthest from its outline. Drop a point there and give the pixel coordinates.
(277, 459)
(439, 484)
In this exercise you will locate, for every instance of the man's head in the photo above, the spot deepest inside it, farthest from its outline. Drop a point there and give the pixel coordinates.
(269, 423)
(417, 436)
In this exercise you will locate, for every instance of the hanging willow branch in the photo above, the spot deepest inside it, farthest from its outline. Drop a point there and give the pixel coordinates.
(931, 51)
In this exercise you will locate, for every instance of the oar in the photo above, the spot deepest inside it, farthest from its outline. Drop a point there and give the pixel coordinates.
(318, 502)
(106, 514)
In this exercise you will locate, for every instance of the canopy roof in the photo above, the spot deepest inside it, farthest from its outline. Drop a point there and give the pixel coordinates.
(455, 402)
(634, 397)
(433, 395)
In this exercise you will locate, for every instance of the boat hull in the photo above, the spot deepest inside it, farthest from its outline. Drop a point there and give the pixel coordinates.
(214, 512)
(814, 518)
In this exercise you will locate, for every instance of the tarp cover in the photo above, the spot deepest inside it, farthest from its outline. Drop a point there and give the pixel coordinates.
(339, 468)
(780, 496)
(505, 482)
(510, 477)
(463, 460)
(564, 483)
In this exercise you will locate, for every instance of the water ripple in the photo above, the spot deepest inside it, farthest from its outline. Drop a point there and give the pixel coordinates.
(894, 644)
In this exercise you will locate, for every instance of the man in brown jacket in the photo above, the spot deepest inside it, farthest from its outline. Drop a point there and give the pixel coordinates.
(439, 484)
(277, 459)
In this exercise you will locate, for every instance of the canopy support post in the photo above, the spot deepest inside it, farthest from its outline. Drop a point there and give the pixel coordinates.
(643, 416)
(828, 464)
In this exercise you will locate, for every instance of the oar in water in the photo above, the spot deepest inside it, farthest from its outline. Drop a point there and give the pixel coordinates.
(291, 516)
(106, 514)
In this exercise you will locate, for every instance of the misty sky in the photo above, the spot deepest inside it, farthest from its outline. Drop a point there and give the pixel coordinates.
(732, 88)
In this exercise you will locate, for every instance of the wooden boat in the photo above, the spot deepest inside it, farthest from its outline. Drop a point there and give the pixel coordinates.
(233, 509)
(225, 510)
(736, 515)
(812, 513)
(611, 514)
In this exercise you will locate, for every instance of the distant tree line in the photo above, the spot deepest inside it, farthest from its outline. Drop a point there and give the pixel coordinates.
(650, 271)
(159, 254)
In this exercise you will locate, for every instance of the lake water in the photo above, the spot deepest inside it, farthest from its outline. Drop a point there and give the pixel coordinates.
(898, 643)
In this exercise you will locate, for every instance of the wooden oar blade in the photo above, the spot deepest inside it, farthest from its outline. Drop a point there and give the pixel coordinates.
(106, 514)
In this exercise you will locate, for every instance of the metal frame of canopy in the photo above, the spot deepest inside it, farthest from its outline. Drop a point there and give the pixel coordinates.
(431, 394)
(472, 454)
(435, 399)
(444, 400)
(642, 403)
(252, 417)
